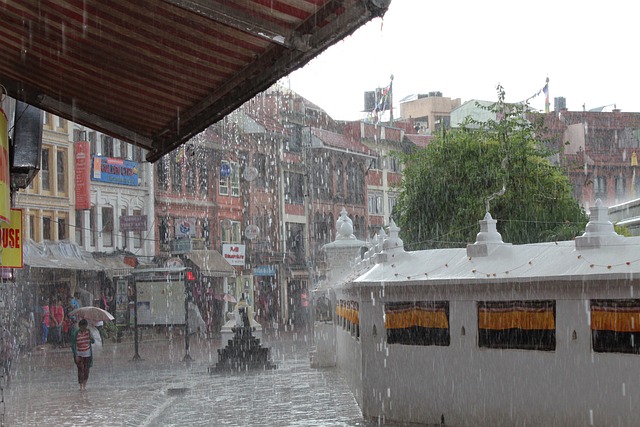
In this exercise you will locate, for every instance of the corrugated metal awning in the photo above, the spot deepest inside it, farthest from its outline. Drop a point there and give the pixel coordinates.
(157, 72)
(211, 263)
(63, 255)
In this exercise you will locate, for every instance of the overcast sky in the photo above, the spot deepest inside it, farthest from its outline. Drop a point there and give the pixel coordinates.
(465, 48)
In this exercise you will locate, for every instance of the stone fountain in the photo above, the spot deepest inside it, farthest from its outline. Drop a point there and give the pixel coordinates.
(243, 352)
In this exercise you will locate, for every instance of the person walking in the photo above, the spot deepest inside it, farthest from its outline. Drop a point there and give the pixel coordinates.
(81, 341)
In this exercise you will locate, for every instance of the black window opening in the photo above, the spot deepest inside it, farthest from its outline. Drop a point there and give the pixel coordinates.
(417, 323)
(525, 325)
(615, 326)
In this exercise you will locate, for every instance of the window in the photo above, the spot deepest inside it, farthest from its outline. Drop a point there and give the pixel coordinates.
(620, 187)
(260, 163)
(61, 170)
(79, 135)
(124, 234)
(93, 226)
(615, 326)
(163, 230)
(417, 323)
(206, 232)
(92, 142)
(107, 226)
(203, 177)
(46, 227)
(137, 235)
(46, 119)
(62, 123)
(137, 154)
(32, 227)
(355, 183)
(526, 325)
(375, 203)
(190, 179)
(392, 163)
(162, 178)
(45, 170)
(600, 187)
(80, 227)
(62, 227)
(393, 201)
(229, 179)
(230, 231)
(322, 177)
(339, 180)
(107, 146)
(294, 144)
(296, 242)
(177, 163)
(293, 187)
(123, 150)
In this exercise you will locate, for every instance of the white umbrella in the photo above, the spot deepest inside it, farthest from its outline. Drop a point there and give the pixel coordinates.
(92, 313)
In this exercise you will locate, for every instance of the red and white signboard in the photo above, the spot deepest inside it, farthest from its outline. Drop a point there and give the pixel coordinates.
(234, 254)
(83, 172)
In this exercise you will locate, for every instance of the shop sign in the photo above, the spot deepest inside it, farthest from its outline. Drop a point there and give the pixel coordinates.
(133, 223)
(185, 228)
(115, 171)
(82, 154)
(264, 270)
(11, 238)
(234, 254)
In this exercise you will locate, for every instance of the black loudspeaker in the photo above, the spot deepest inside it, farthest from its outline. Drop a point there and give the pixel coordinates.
(26, 145)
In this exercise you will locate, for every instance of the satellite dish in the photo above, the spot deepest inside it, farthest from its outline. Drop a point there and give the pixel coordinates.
(250, 173)
(226, 224)
(252, 231)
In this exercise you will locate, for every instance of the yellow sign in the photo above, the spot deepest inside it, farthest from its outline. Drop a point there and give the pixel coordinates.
(5, 174)
(11, 238)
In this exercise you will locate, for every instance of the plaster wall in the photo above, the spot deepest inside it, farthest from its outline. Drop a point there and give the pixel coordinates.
(471, 386)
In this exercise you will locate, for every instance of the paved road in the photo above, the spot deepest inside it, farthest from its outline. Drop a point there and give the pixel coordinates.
(162, 390)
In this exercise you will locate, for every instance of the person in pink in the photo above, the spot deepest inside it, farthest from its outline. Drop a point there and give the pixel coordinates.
(45, 322)
(57, 315)
(81, 341)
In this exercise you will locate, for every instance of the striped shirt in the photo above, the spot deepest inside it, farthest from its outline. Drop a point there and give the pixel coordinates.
(83, 343)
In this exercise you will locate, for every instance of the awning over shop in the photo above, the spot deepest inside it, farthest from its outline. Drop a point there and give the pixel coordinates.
(162, 71)
(58, 255)
(211, 263)
(113, 264)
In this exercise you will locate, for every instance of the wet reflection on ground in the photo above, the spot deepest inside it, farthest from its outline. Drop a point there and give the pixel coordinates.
(162, 390)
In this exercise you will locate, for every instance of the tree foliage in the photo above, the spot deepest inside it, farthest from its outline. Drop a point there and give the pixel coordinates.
(447, 186)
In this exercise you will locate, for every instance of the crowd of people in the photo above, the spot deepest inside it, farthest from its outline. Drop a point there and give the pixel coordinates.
(56, 322)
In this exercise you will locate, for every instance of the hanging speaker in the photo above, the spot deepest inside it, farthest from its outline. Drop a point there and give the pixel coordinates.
(26, 145)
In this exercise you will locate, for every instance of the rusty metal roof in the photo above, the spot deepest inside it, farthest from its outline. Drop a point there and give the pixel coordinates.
(157, 72)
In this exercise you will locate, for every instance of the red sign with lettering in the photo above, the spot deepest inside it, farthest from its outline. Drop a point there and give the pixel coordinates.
(83, 174)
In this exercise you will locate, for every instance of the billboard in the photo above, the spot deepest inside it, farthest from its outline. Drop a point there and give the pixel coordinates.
(11, 238)
(161, 301)
(233, 253)
(114, 171)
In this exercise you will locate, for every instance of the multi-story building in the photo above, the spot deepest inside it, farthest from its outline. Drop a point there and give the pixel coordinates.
(599, 152)
(48, 202)
(430, 112)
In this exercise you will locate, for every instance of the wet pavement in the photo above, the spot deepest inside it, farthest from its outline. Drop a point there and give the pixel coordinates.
(163, 390)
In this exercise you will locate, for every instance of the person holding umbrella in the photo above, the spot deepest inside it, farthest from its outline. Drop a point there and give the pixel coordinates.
(81, 341)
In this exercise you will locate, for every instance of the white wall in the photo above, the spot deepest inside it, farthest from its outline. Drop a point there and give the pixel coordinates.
(470, 386)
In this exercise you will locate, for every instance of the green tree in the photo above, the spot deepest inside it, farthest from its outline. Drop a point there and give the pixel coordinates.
(498, 164)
